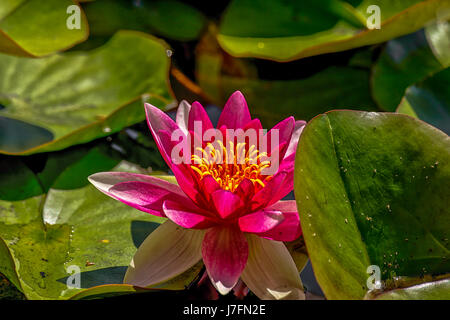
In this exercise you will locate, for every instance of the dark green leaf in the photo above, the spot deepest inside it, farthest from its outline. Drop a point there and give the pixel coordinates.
(372, 189)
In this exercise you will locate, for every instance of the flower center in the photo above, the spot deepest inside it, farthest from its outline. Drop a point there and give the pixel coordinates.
(230, 166)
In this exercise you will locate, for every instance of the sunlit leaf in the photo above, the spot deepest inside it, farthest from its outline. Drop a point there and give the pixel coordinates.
(288, 30)
(72, 98)
(23, 32)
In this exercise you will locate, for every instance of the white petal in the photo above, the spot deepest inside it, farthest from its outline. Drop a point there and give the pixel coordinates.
(165, 253)
(270, 272)
(182, 118)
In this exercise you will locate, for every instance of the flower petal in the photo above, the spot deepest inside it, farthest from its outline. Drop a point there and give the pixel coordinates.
(284, 131)
(270, 272)
(182, 117)
(144, 196)
(104, 181)
(225, 253)
(265, 195)
(298, 129)
(235, 114)
(287, 230)
(165, 253)
(226, 202)
(261, 221)
(187, 216)
(158, 121)
(198, 114)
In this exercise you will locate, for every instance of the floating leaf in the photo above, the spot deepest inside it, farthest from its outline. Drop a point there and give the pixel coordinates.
(167, 18)
(72, 98)
(429, 100)
(405, 61)
(437, 290)
(55, 219)
(288, 30)
(25, 33)
(372, 189)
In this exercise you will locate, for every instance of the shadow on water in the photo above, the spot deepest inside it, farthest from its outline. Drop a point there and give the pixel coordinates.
(141, 229)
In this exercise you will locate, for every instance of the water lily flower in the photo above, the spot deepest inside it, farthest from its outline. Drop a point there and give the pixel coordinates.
(226, 208)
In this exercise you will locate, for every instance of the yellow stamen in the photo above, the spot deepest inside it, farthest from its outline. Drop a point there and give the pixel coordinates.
(230, 166)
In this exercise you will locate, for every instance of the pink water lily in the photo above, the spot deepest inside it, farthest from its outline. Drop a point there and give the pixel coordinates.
(226, 208)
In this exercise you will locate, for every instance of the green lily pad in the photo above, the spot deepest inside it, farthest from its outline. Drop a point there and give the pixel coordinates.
(437, 290)
(171, 19)
(405, 61)
(372, 189)
(429, 100)
(55, 219)
(290, 30)
(25, 26)
(62, 100)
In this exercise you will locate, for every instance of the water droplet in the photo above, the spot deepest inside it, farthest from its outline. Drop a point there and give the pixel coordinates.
(388, 207)
(169, 53)
(106, 129)
(307, 197)
(340, 245)
(314, 234)
(346, 220)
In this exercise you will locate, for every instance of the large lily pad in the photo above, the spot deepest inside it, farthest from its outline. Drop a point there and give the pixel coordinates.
(72, 98)
(429, 100)
(54, 219)
(25, 33)
(372, 189)
(288, 30)
(408, 60)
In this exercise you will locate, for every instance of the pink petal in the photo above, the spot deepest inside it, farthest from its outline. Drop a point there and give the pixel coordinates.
(182, 117)
(144, 196)
(289, 229)
(254, 124)
(265, 195)
(235, 114)
(104, 181)
(292, 147)
(286, 186)
(285, 129)
(158, 122)
(210, 185)
(198, 114)
(187, 216)
(245, 190)
(226, 202)
(225, 252)
(261, 221)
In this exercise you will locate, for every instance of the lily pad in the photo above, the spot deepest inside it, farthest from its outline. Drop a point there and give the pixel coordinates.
(405, 61)
(167, 18)
(429, 100)
(290, 30)
(66, 99)
(372, 190)
(437, 290)
(55, 219)
(25, 33)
